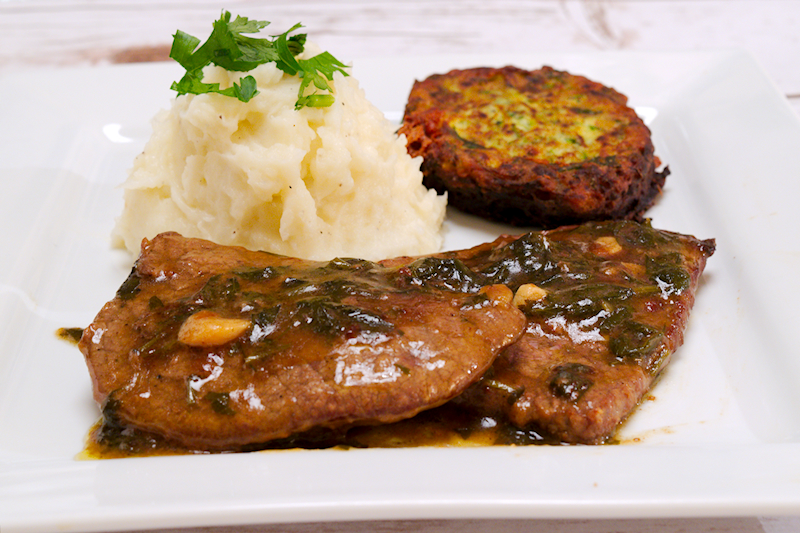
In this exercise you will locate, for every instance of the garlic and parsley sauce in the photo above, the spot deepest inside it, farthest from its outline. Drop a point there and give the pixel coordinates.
(601, 287)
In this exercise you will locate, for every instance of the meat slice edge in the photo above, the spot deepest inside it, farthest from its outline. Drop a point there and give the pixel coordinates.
(607, 305)
(221, 348)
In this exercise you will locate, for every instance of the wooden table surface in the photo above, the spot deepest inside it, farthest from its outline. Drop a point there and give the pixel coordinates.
(35, 34)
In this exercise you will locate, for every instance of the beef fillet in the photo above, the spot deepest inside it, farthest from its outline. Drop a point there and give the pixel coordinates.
(221, 348)
(607, 304)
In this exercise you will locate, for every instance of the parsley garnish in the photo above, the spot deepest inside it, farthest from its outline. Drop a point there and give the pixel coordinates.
(228, 48)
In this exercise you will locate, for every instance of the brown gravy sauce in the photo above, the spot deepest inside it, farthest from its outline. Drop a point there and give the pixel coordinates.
(445, 426)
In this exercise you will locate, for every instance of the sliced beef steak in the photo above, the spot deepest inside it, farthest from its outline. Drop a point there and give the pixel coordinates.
(606, 303)
(221, 348)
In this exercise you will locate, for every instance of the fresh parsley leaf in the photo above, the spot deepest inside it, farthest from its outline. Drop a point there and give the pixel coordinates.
(229, 48)
(325, 64)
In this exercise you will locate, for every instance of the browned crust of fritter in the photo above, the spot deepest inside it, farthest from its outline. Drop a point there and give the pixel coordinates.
(619, 181)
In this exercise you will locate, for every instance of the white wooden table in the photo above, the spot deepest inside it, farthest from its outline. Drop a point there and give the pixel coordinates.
(43, 32)
(56, 33)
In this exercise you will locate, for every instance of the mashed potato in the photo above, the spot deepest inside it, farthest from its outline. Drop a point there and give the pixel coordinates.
(315, 183)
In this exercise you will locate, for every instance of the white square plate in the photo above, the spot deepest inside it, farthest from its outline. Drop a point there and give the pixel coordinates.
(721, 435)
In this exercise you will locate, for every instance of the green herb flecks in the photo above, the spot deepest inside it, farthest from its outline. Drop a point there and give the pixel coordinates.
(229, 48)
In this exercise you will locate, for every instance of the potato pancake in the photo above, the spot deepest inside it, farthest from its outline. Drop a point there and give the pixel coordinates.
(538, 148)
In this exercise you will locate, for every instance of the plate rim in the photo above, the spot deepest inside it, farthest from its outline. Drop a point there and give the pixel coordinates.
(60, 477)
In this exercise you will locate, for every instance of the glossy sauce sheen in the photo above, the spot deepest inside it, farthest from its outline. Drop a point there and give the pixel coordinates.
(605, 305)
(445, 426)
(292, 345)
